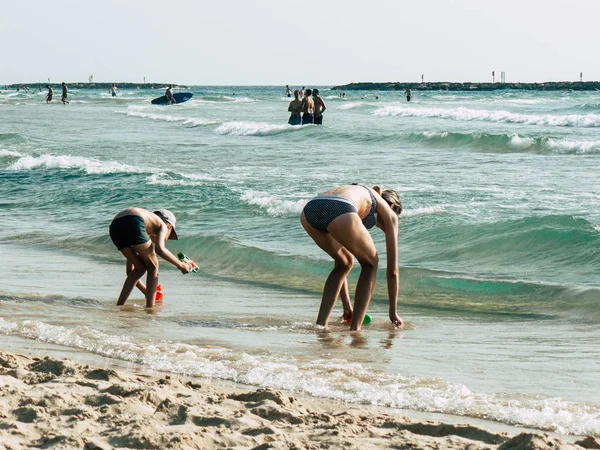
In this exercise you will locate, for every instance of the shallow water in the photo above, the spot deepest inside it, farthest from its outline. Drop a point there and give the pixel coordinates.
(498, 243)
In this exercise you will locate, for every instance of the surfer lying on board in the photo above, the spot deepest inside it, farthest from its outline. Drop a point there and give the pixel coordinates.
(338, 221)
(133, 231)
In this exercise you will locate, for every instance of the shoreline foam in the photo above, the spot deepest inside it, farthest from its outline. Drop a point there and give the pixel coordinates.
(58, 403)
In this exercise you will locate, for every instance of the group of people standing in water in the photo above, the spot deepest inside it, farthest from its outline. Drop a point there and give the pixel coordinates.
(306, 108)
(63, 97)
(337, 221)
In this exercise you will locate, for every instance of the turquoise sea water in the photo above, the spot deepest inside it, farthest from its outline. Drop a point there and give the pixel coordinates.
(499, 242)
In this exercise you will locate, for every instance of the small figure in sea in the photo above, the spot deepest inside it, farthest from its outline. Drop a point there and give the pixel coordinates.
(113, 90)
(308, 108)
(133, 231)
(65, 92)
(50, 93)
(408, 95)
(302, 92)
(169, 94)
(295, 108)
(338, 221)
(288, 91)
(320, 107)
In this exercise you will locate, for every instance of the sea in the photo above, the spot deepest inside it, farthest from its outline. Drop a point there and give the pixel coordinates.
(499, 244)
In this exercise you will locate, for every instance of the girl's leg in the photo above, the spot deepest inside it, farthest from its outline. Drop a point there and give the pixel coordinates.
(148, 256)
(140, 285)
(135, 269)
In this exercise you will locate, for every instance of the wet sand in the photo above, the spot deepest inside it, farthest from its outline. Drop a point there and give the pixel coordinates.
(57, 403)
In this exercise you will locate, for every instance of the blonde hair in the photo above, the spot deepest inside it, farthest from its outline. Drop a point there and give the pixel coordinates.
(391, 197)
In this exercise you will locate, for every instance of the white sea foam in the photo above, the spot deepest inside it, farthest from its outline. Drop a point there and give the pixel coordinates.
(519, 142)
(350, 105)
(423, 211)
(9, 153)
(573, 146)
(330, 378)
(163, 179)
(89, 165)
(253, 129)
(222, 99)
(192, 121)
(435, 134)
(466, 114)
(274, 206)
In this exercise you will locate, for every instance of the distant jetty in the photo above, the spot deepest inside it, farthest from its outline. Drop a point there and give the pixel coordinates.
(469, 86)
(95, 85)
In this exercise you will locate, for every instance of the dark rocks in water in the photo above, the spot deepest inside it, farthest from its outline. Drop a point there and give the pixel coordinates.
(470, 86)
(106, 86)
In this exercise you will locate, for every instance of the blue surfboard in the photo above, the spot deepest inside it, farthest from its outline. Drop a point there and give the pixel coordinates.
(179, 97)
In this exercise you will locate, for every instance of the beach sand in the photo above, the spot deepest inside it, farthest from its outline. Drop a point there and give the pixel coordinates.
(60, 404)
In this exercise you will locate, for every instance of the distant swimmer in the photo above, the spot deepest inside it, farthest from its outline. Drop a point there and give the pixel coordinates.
(169, 94)
(295, 109)
(288, 91)
(408, 95)
(308, 108)
(302, 92)
(320, 107)
(133, 231)
(50, 93)
(113, 90)
(338, 221)
(65, 92)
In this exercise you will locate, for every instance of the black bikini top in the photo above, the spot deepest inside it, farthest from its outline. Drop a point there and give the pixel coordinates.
(371, 219)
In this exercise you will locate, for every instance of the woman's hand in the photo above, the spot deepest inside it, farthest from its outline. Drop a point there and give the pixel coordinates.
(396, 320)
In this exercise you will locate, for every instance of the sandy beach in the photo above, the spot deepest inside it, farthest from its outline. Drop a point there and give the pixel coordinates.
(60, 404)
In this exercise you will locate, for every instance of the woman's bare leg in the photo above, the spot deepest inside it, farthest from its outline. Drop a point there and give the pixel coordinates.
(349, 231)
(345, 296)
(343, 262)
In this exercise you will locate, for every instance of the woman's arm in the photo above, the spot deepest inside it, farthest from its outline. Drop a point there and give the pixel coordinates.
(390, 228)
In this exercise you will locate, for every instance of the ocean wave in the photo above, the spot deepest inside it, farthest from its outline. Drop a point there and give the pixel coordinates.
(223, 99)
(507, 142)
(9, 153)
(254, 129)
(595, 107)
(350, 105)
(533, 249)
(90, 166)
(274, 206)
(192, 121)
(466, 114)
(10, 136)
(337, 379)
(169, 179)
(486, 269)
(423, 211)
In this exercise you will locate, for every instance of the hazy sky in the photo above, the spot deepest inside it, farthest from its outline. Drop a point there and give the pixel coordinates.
(277, 42)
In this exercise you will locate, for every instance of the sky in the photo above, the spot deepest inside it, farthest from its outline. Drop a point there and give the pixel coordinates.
(278, 42)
